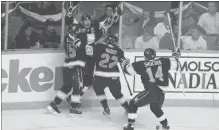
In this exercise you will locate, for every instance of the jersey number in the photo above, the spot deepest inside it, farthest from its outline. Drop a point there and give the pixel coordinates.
(158, 74)
(89, 50)
(105, 63)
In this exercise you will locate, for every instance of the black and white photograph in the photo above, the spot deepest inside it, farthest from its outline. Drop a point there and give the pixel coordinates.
(109, 65)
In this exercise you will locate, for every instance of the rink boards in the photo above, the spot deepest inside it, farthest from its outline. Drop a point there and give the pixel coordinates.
(33, 77)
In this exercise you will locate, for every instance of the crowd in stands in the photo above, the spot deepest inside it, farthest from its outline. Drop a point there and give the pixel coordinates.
(193, 37)
(154, 35)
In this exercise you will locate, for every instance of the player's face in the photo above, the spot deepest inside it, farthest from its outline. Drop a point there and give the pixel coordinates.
(212, 8)
(109, 11)
(87, 23)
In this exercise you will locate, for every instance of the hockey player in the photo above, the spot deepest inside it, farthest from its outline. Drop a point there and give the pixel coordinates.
(89, 34)
(72, 73)
(154, 76)
(106, 57)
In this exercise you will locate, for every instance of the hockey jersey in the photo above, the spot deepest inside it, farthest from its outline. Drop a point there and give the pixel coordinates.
(75, 54)
(153, 71)
(106, 57)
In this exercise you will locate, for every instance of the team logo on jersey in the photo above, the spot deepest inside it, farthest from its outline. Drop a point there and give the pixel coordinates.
(89, 50)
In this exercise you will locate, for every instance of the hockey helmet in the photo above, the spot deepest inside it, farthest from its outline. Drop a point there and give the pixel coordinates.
(85, 16)
(112, 39)
(149, 54)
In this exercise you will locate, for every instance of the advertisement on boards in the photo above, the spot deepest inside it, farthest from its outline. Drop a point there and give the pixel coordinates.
(37, 77)
(31, 77)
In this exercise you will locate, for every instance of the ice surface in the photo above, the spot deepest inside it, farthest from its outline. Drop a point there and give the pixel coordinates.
(180, 118)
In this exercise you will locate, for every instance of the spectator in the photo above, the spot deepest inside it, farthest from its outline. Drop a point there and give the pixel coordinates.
(166, 41)
(109, 11)
(192, 21)
(195, 41)
(26, 38)
(49, 38)
(147, 40)
(148, 19)
(145, 19)
(162, 28)
(210, 21)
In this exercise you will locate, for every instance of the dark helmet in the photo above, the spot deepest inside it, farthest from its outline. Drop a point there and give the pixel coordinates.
(85, 16)
(112, 39)
(149, 54)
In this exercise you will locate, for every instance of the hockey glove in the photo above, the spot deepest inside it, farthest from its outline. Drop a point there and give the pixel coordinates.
(176, 53)
(125, 62)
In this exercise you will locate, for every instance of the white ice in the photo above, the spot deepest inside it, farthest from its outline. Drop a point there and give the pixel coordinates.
(180, 118)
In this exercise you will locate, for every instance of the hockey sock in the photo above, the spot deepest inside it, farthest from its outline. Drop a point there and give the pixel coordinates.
(75, 100)
(75, 105)
(123, 102)
(132, 112)
(132, 117)
(158, 113)
(57, 100)
(59, 97)
(162, 120)
(125, 106)
(104, 103)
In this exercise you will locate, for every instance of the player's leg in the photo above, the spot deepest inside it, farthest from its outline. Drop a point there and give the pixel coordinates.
(115, 89)
(89, 75)
(99, 86)
(76, 97)
(62, 93)
(156, 108)
(142, 99)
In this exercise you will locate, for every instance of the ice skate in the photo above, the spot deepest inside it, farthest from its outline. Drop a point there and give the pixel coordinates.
(128, 126)
(75, 112)
(165, 127)
(53, 108)
(106, 112)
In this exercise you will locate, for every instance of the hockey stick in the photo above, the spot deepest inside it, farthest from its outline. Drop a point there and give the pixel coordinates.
(129, 88)
(179, 35)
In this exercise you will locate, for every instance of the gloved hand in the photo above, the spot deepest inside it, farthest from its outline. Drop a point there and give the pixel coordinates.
(125, 62)
(176, 53)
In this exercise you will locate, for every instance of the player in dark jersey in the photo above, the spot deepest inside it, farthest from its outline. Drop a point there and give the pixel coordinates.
(154, 76)
(106, 57)
(72, 72)
(89, 34)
